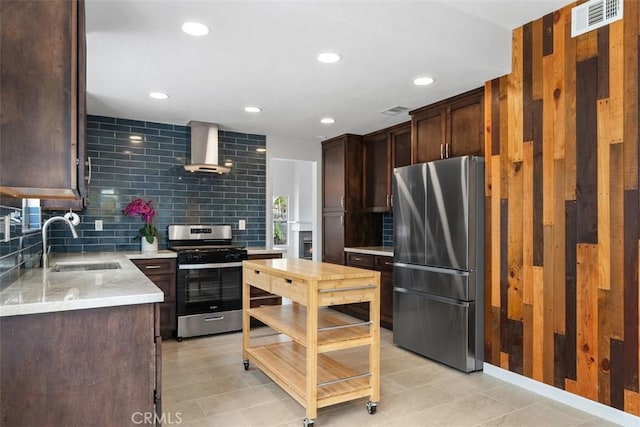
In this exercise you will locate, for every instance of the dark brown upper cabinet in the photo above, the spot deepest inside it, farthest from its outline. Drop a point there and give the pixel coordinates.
(384, 150)
(42, 52)
(450, 128)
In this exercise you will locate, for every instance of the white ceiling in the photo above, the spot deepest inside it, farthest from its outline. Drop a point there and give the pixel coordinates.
(264, 53)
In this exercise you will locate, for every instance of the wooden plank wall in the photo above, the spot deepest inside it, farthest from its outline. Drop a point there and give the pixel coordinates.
(562, 209)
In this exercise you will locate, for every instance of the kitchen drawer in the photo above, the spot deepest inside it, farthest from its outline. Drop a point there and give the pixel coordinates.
(360, 260)
(156, 265)
(383, 263)
(258, 279)
(291, 289)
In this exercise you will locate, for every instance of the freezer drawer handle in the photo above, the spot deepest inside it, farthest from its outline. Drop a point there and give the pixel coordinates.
(433, 297)
(211, 319)
(434, 269)
(353, 288)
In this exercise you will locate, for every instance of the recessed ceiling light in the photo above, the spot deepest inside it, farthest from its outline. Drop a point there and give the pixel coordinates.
(327, 120)
(195, 29)
(158, 95)
(261, 150)
(423, 81)
(251, 109)
(329, 57)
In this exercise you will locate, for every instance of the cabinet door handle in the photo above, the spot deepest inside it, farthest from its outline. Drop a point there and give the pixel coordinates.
(256, 271)
(289, 281)
(447, 149)
(151, 267)
(387, 200)
(89, 175)
(342, 202)
(355, 258)
(391, 198)
(388, 263)
(441, 153)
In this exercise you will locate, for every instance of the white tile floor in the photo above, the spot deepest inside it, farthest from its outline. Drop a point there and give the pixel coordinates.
(205, 384)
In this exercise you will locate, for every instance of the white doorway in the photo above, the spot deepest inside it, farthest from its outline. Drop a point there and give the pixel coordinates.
(292, 207)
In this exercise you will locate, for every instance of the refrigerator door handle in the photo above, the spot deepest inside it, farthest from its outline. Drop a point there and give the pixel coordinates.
(434, 269)
(445, 300)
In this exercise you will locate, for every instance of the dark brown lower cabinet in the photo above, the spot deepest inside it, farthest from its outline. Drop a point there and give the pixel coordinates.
(162, 272)
(383, 264)
(80, 367)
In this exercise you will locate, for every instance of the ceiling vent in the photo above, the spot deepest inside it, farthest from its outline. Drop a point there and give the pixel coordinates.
(395, 110)
(594, 14)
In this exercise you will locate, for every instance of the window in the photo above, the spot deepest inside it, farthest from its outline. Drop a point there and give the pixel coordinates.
(280, 217)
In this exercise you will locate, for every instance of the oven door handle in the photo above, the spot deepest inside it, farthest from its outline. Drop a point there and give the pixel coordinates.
(211, 265)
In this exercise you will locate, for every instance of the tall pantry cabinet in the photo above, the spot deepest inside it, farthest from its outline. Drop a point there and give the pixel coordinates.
(344, 222)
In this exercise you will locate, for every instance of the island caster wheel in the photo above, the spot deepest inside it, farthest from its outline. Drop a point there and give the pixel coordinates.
(371, 407)
(308, 422)
(179, 339)
(246, 365)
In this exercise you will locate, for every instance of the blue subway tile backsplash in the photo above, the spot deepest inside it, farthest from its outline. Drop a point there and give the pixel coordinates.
(387, 229)
(123, 170)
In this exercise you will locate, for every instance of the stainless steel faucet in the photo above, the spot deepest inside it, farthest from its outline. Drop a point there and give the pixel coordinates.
(45, 226)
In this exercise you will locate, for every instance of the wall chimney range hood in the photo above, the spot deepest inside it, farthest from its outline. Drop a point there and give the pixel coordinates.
(204, 149)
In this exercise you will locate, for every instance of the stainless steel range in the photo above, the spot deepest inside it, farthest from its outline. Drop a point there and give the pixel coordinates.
(209, 279)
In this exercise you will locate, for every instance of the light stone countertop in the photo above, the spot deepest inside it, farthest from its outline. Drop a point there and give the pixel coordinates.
(260, 250)
(372, 250)
(44, 291)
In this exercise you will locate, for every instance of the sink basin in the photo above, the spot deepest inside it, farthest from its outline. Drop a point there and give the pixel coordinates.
(85, 266)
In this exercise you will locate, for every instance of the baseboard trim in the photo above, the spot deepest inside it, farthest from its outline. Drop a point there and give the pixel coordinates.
(594, 408)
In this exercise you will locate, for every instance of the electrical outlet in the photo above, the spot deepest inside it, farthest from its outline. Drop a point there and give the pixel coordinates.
(242, 224)
(98, 225)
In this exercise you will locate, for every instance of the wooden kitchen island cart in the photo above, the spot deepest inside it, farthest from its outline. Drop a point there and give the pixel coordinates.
(305, 359)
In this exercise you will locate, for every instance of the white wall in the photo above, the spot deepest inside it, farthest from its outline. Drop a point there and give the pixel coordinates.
(311, 151)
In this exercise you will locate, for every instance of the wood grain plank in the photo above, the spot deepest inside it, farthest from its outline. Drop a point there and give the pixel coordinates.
(604, 346)
(537, 184)
(514, 248)
(587, 320)
(630, 104)
(496, 227)
(548, 304)
(515, 98)
(586, 152)
(604, 197)
(570, 109)
(515, 346)
(504, 136)
(527, 225)
(538, 323)
(504, 360)
(558, 360)
(616, 81)
(488, 286)
(603, 62)
(527, 81)
(559, 91)
(617, 374)
(632, 402)
(495, 116)
(547, 34)
(586, 46)
(570, 290)
(527, 339)
(488, 134)
(549, 112)
(559, 296)
(536, 60)
(631, 234)
(504, 284)
(495, 336)
(616, 246)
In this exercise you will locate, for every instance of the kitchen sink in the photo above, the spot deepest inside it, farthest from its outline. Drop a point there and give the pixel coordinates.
(85, 266)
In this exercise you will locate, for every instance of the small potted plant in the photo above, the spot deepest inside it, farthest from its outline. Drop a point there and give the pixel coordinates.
(148, 232)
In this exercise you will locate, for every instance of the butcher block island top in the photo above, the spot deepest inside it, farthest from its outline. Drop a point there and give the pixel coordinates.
(298, 359)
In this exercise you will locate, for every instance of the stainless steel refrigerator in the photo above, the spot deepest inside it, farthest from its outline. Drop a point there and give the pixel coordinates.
(438, 275)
